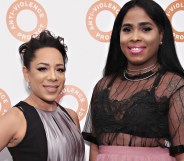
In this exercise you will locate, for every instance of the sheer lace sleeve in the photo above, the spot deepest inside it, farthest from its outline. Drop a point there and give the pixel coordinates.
(176, 121)
(88, 131)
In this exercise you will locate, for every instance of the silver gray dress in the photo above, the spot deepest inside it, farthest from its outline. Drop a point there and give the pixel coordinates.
(50, 136)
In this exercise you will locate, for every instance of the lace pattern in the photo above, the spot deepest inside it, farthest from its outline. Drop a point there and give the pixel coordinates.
(145, 113)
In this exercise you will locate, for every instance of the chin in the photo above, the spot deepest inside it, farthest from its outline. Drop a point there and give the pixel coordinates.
(137, 63)
(50, 99)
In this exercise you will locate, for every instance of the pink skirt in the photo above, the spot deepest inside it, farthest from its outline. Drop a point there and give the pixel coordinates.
(124, 153)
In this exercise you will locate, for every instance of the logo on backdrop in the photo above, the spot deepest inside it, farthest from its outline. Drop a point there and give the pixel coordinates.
(173, 8)
(78, 94)
(25, 5)
(4, 102)
(94, 10)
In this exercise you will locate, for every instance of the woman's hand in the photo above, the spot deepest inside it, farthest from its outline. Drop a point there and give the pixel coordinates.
(93, 152)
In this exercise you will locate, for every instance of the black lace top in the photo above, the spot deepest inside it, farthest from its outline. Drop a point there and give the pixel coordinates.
(145, 113)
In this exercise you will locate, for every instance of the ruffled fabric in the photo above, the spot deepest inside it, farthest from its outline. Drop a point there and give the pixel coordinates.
(64, 139)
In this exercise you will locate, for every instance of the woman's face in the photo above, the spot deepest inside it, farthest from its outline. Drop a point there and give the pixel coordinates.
(46, 74)
(139, 39)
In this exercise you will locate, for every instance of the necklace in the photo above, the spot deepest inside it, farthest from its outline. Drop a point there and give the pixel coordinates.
(148, 69)
(134, 70)
(140, 76)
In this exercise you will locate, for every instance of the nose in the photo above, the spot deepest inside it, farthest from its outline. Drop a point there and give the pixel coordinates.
(53, 75)
(135, 36)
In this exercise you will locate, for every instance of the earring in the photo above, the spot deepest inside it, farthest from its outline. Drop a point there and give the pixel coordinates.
(161, 42)
(28, 85)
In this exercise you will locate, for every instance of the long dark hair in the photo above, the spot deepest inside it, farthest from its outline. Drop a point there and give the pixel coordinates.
(167, 57)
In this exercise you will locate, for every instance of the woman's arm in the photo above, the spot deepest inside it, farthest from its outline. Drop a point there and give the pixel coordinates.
(12, 128)
(180, 157)
(176, 123)
(93, 152)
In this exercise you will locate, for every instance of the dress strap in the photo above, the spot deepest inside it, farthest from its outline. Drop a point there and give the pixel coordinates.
(20, 108)
(157, 81)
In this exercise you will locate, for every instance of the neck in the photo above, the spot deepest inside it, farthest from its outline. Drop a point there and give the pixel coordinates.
(41, 104)
(141, 74)
(141, 70)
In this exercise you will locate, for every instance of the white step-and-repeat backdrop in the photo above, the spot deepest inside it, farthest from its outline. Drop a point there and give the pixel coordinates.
(86, 27)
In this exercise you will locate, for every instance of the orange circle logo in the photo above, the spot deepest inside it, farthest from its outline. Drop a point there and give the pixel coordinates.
(4, 102)
(95, 9)
(15, 9)
(170, 11)
(79, 95)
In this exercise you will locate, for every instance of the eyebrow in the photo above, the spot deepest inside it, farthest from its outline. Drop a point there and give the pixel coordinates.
(46, 64)
(140, 24)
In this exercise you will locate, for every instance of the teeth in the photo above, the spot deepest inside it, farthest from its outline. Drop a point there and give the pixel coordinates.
(136, 49)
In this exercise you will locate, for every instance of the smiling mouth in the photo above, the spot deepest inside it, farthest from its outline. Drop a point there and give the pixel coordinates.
(51, 89)
(136, 50)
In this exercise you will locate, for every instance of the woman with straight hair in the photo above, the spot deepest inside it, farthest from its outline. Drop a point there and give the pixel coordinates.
(137, 108)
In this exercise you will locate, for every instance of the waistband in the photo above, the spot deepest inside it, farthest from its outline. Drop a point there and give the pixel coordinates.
(129, 150)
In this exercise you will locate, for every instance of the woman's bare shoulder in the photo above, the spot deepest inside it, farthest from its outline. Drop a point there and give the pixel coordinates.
(12, 127)
(74, 116)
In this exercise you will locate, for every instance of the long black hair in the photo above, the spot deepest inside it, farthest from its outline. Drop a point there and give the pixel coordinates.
(167, 57)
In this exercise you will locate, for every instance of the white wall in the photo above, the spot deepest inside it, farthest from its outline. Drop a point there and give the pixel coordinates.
(86, 27)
